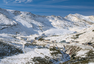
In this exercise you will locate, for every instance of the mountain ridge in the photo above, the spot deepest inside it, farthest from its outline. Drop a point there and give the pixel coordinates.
(34, 23)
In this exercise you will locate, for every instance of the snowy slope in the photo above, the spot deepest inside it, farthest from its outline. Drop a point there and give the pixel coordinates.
(19, 28)
(26, 23)
(80, 20)
(17, 24)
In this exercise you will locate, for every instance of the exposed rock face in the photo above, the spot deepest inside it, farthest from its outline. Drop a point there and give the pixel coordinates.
(16, 12)
(79, 54)
(82, 60)
(8, 50)
(72, 50)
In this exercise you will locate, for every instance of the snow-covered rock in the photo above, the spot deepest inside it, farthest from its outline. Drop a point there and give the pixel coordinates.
(21, 28)
(26, 23)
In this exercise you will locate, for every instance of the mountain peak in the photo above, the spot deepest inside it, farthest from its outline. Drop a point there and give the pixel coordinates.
(30, 23)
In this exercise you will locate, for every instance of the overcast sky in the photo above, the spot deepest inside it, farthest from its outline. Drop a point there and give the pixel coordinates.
(51, 7)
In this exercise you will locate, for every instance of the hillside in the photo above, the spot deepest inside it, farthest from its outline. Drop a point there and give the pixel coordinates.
(36, 38)
(28, 23)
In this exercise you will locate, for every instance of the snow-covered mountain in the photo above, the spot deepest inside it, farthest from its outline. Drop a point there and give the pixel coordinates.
(26, 23)
(20, 31)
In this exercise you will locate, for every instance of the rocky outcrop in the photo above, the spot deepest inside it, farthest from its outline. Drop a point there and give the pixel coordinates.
(8, 50)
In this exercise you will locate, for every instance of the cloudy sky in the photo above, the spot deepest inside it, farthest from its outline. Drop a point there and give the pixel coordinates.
(50, 7)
